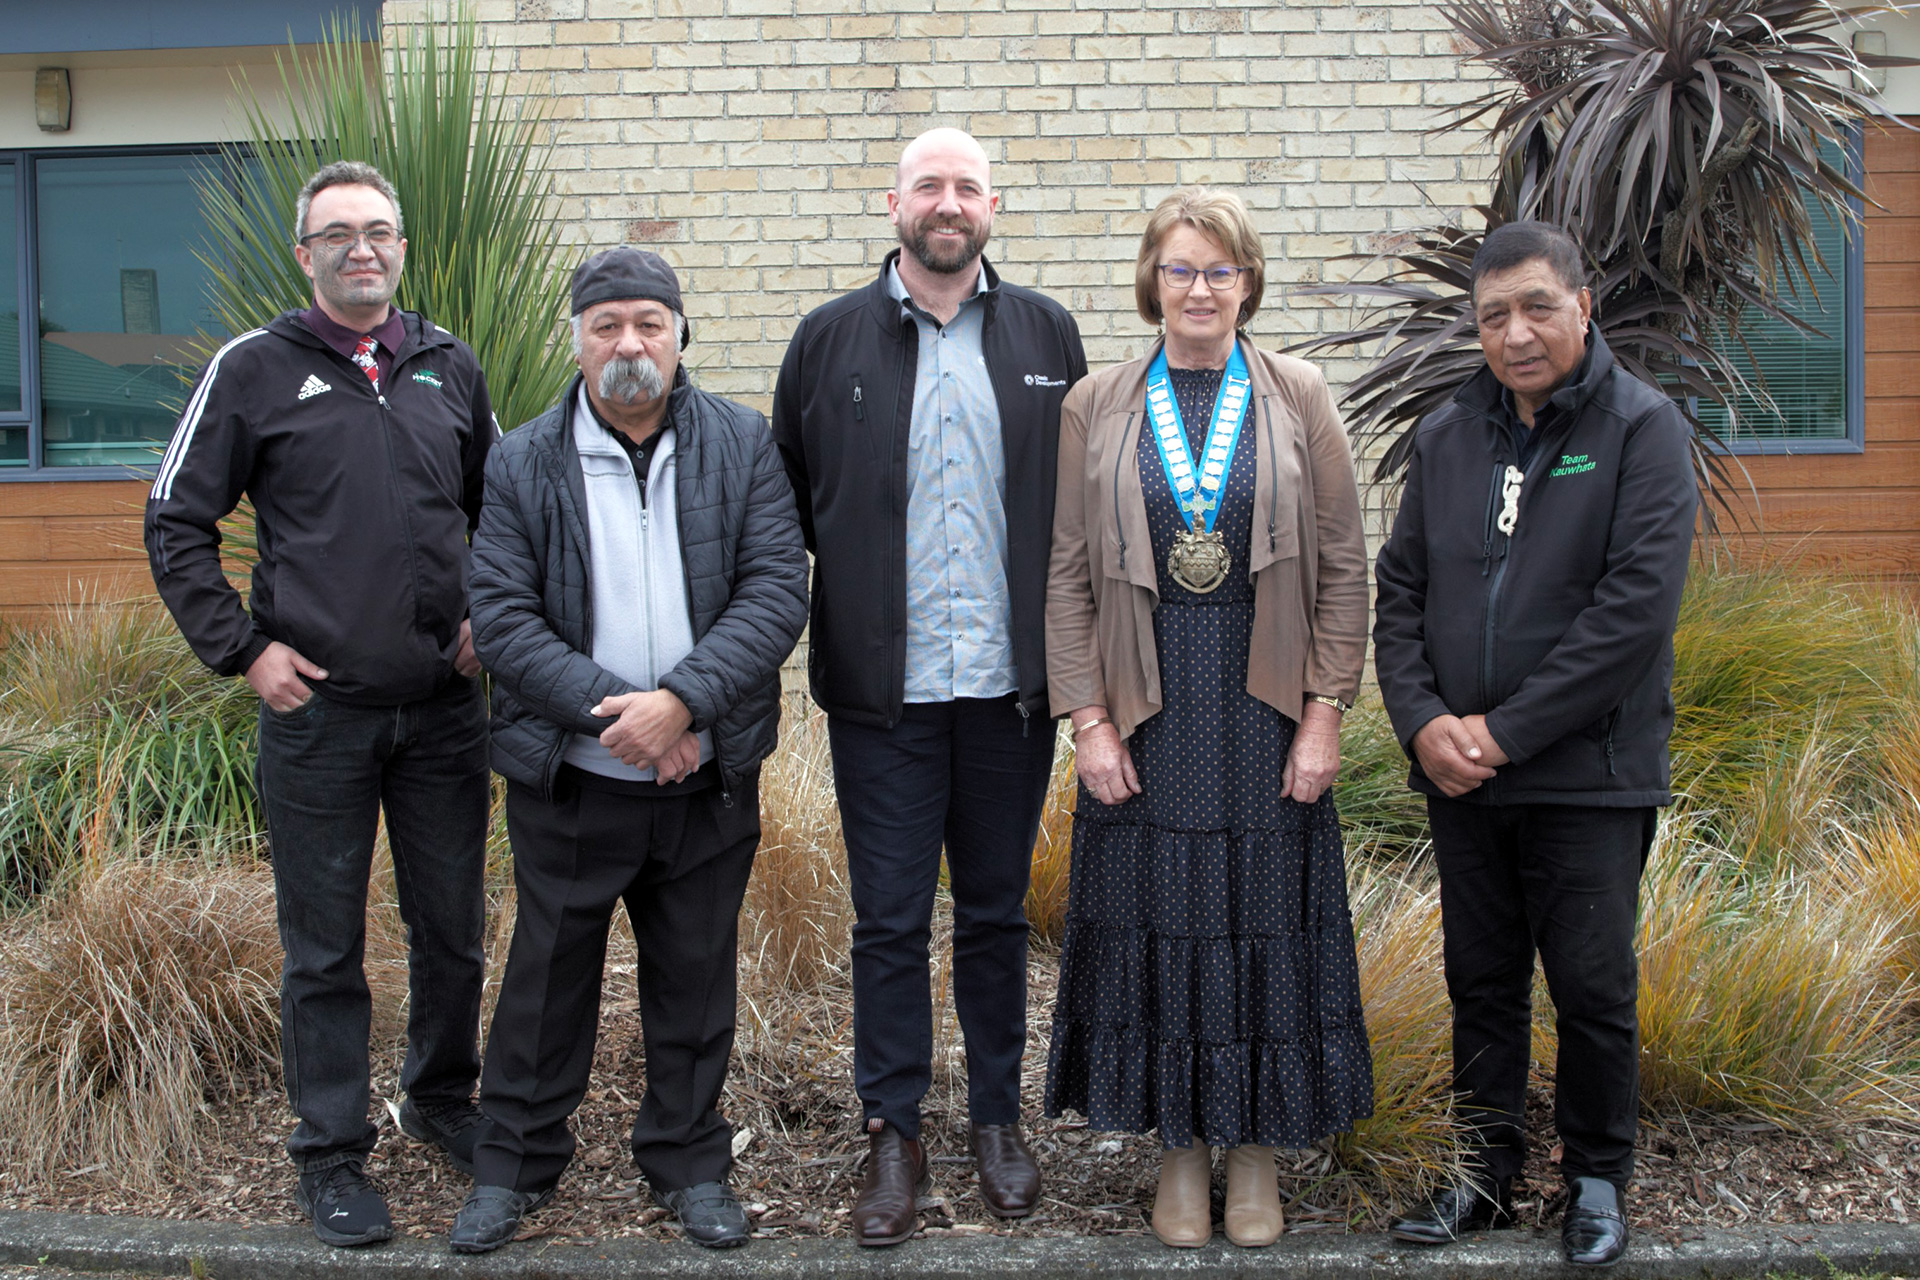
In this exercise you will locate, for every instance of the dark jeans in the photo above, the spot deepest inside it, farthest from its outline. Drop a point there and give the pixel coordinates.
(969, 775)
(680, 863)
(326, 772)
(1565, 880)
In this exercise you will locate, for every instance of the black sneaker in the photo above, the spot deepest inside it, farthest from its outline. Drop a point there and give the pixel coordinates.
(345, 1208)
(454, 1127)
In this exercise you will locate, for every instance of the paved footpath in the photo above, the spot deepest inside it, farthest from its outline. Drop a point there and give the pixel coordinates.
(219, 1251)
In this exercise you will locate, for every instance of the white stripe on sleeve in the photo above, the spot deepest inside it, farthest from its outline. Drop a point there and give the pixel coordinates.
(183, 434)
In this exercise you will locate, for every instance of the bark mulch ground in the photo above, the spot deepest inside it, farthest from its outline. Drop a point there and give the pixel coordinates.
(799, 1152)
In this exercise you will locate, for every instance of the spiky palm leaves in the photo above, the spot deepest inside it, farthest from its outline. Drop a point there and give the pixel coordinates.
(470, 164)
(1678, 140)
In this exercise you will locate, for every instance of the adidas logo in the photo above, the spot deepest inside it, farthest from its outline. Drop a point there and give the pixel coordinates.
(313, 387)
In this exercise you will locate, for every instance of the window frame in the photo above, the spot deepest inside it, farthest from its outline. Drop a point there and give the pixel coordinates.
(225, 156)
(1853, 330)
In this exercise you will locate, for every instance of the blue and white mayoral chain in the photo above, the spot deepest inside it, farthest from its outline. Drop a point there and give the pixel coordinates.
(1199, 560)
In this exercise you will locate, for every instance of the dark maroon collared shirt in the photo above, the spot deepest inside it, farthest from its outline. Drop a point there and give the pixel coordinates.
(389, 333)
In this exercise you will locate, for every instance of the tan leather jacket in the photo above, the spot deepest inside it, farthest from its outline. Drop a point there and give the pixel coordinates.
(1308, 557)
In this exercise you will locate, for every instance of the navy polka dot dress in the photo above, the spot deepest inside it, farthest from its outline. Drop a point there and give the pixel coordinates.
(1208, 987)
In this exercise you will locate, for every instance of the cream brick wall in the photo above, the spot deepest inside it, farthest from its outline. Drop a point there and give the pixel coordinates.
(751, 142)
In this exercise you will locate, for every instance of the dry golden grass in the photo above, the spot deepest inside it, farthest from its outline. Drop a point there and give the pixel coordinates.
(1411, 1142)
(1770, 999)
(1886, 864)
(797, 923)
(1053, 852)
(122, 1004)
(92, 659)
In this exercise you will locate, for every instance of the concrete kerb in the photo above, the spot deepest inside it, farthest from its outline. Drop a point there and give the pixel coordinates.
(221, 1251)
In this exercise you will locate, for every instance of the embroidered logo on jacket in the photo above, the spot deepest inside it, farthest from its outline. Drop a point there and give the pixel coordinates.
(1572, 464)
(1042, 380)
(313, 387)
(429, 377)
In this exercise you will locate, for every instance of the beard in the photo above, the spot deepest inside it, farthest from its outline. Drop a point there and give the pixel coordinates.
(630, 382)
(938, 256)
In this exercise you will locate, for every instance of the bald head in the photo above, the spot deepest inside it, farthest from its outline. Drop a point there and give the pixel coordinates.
(942, 150)
(943, 206)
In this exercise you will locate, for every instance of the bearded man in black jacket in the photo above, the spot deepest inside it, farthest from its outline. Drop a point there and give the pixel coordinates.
(1524, 643)
(919, 419)
(359, 432)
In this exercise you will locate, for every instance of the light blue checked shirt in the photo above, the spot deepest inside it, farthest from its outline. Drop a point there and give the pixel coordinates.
(959, 613)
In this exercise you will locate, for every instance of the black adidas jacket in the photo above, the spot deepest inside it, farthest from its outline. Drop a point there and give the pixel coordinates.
(1562, 633)
(363, 504)
(842, 414)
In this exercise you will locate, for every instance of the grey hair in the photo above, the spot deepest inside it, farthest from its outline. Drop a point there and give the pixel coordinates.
(344, 173)
(679, 328)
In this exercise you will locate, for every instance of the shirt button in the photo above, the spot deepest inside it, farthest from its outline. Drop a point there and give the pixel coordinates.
(956, 591)
(954, 550)
(954, 505)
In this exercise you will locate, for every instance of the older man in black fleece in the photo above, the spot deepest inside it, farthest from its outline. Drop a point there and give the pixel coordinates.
(1524, 641)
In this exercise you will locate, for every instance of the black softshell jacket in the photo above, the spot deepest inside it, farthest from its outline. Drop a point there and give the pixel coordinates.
(843, 416)
(363, 504)
(1562, 633)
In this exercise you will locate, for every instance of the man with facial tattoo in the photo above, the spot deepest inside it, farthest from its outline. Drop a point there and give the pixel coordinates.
(358, 431)
(638, 579)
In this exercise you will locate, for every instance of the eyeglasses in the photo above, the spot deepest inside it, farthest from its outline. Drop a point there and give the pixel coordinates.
(1179, 277)
(382, 237)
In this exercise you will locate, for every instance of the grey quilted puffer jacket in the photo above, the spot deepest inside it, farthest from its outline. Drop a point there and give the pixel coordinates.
(532, 598)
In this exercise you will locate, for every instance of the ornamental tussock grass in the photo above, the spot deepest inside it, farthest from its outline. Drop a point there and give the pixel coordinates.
(798, 919)
(1411, 1143)
(123, 1002)
(1051, 875)
(1885, 866)
(111, 734)
(1383, 817)
(1766, 658)
(1771, 998)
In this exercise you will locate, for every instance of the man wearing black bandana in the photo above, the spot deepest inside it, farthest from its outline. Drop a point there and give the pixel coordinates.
(1524, 643)
(638, 580)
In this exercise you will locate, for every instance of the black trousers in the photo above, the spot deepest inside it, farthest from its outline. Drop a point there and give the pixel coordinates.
(326, 772)
(680, 863)
(1563, 880)
(969, 776)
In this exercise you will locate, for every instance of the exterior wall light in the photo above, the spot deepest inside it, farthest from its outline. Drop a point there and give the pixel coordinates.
(52, 100)
(1872, 44)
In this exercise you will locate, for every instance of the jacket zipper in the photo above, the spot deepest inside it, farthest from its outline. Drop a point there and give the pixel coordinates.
(1120, 458)
(693, 623)
(859, 414)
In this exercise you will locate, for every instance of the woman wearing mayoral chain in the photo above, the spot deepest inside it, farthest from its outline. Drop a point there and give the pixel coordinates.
(1206, 621)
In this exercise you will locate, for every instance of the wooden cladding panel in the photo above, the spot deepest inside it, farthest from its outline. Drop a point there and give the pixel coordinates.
(1861, 512)
(64, 542)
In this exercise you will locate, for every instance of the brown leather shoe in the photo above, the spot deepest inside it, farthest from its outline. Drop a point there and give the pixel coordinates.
(896, 1177)
(1009, 1178)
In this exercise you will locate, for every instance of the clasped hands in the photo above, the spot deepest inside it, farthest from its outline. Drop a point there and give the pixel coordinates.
(1106, 769)
(650, 731)
(1457, 753)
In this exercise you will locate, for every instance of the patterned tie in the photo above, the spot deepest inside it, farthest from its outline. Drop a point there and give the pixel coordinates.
(363, 356)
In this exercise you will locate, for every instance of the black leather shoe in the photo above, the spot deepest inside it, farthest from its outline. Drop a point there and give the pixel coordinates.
(1594, 1230)
(490, 1217)
(345, 1208)
(454, 1127)
(709, 1213)
(1458, 1210)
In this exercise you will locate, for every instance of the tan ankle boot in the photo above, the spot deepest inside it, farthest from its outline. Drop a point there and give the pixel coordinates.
(1254, 1219)
(1182, 1208)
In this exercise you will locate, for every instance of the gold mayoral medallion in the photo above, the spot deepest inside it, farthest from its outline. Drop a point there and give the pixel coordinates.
(1199, 561)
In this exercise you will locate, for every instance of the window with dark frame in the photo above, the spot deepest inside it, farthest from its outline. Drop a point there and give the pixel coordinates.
(103, 305)
(1816, 381)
